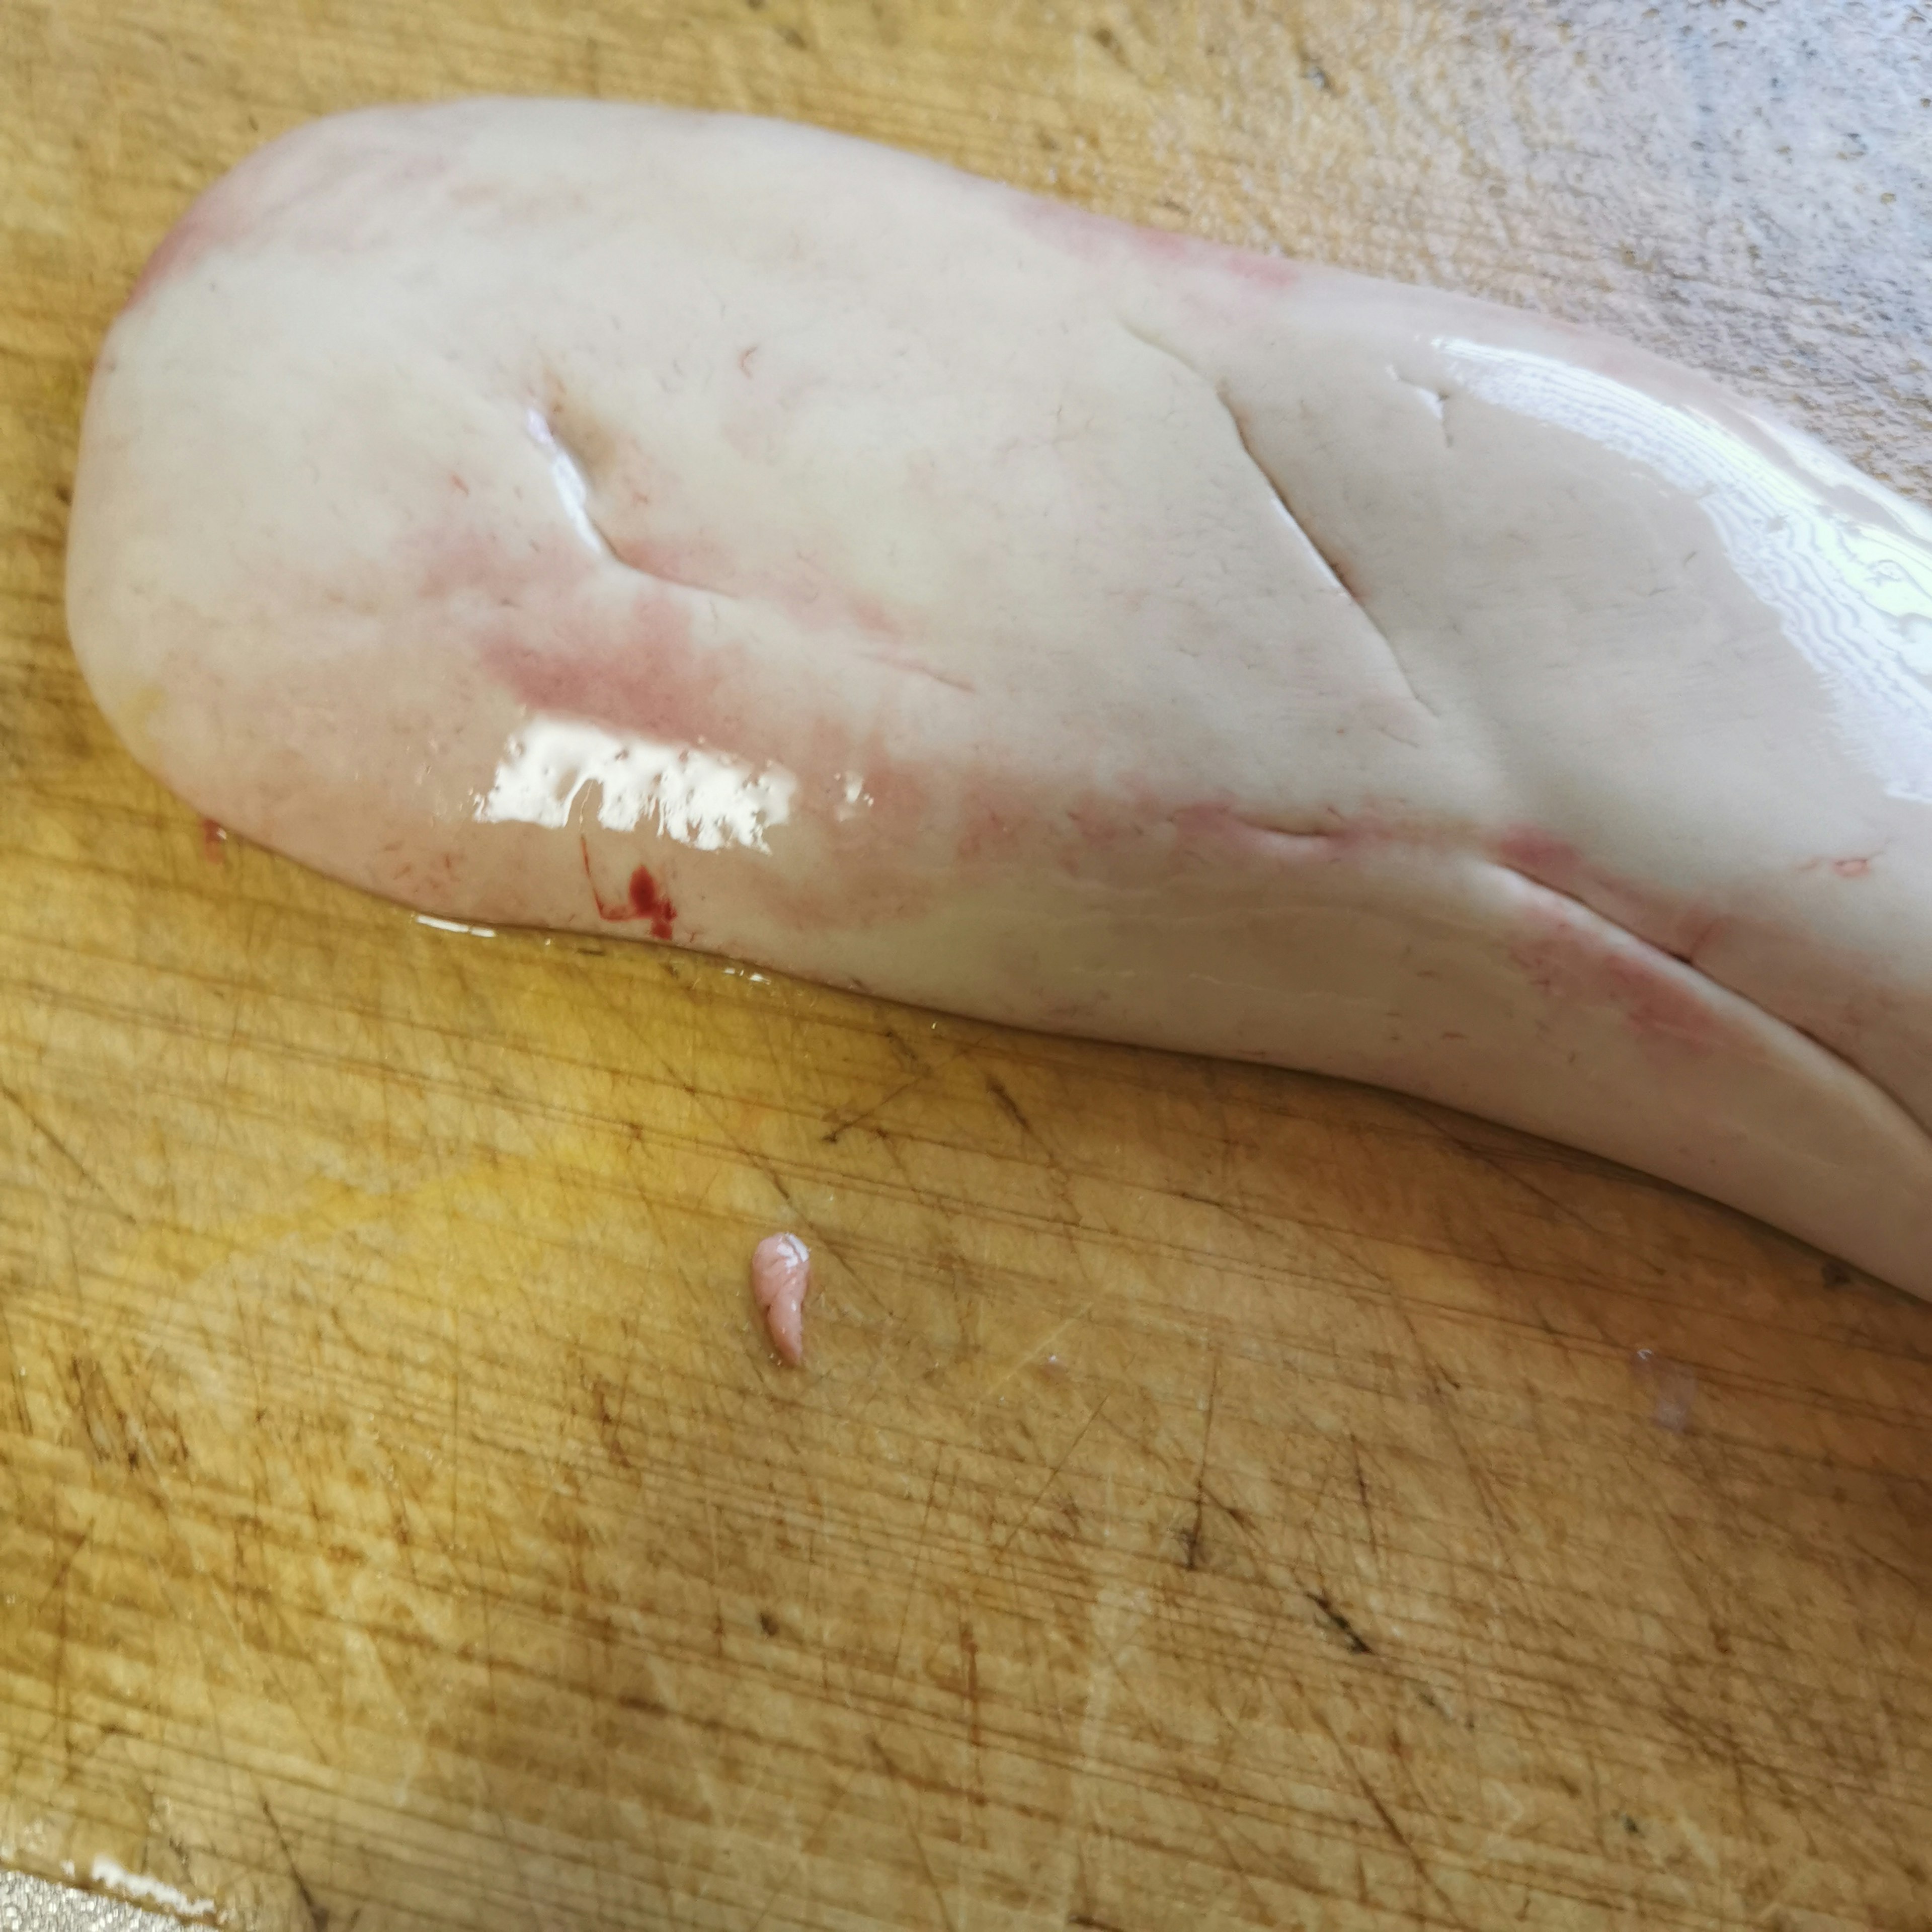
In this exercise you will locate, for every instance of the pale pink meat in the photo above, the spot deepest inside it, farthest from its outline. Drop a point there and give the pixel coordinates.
(781, 1277)
(726, 532)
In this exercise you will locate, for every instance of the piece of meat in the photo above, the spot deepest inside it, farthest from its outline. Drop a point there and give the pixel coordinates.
(781, 1275)
(730, 532)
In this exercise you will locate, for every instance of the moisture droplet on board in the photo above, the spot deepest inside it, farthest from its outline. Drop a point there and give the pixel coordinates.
(1673, 1385)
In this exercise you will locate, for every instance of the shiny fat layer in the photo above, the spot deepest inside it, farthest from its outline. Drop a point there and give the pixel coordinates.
(1829, 575)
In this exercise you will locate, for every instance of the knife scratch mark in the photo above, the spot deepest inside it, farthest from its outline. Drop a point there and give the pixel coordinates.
(912, 1581)
(40, 1129)
(318, 1913)
(1191, 1538)
(912, 1832)
(865, 1114)
(1026, 1515)
(811, 1837)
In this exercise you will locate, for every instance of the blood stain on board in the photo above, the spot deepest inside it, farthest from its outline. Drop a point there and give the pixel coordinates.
(646, 899)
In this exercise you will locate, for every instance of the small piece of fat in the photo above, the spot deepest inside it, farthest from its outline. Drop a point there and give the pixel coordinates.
(780, 1274)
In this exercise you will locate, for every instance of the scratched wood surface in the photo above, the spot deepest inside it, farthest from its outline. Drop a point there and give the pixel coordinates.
(1214, 1496)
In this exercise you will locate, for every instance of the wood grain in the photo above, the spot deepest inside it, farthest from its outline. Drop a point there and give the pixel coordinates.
(1213, 1496)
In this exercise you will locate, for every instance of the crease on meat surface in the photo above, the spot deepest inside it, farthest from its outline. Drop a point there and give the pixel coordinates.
(1685, 965)
(1334, 575)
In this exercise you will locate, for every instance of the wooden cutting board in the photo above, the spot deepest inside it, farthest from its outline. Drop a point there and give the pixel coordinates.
(1214, 1496)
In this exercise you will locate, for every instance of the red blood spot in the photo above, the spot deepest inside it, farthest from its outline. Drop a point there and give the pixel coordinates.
(1851, 869)
(645, 901)
(214, 843)
(1572, 963)
(991, 828)
(1679, 927)
(870, 614)
(639, 675)
(648, 902)
(1549, 860)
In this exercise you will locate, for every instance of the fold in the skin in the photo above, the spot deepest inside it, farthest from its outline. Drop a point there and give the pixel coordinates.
(724, 531)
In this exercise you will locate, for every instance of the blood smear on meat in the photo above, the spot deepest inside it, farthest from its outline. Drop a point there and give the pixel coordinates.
(780, 1274)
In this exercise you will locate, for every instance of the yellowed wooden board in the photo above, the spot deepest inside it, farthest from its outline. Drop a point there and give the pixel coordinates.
(1214, 1496)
